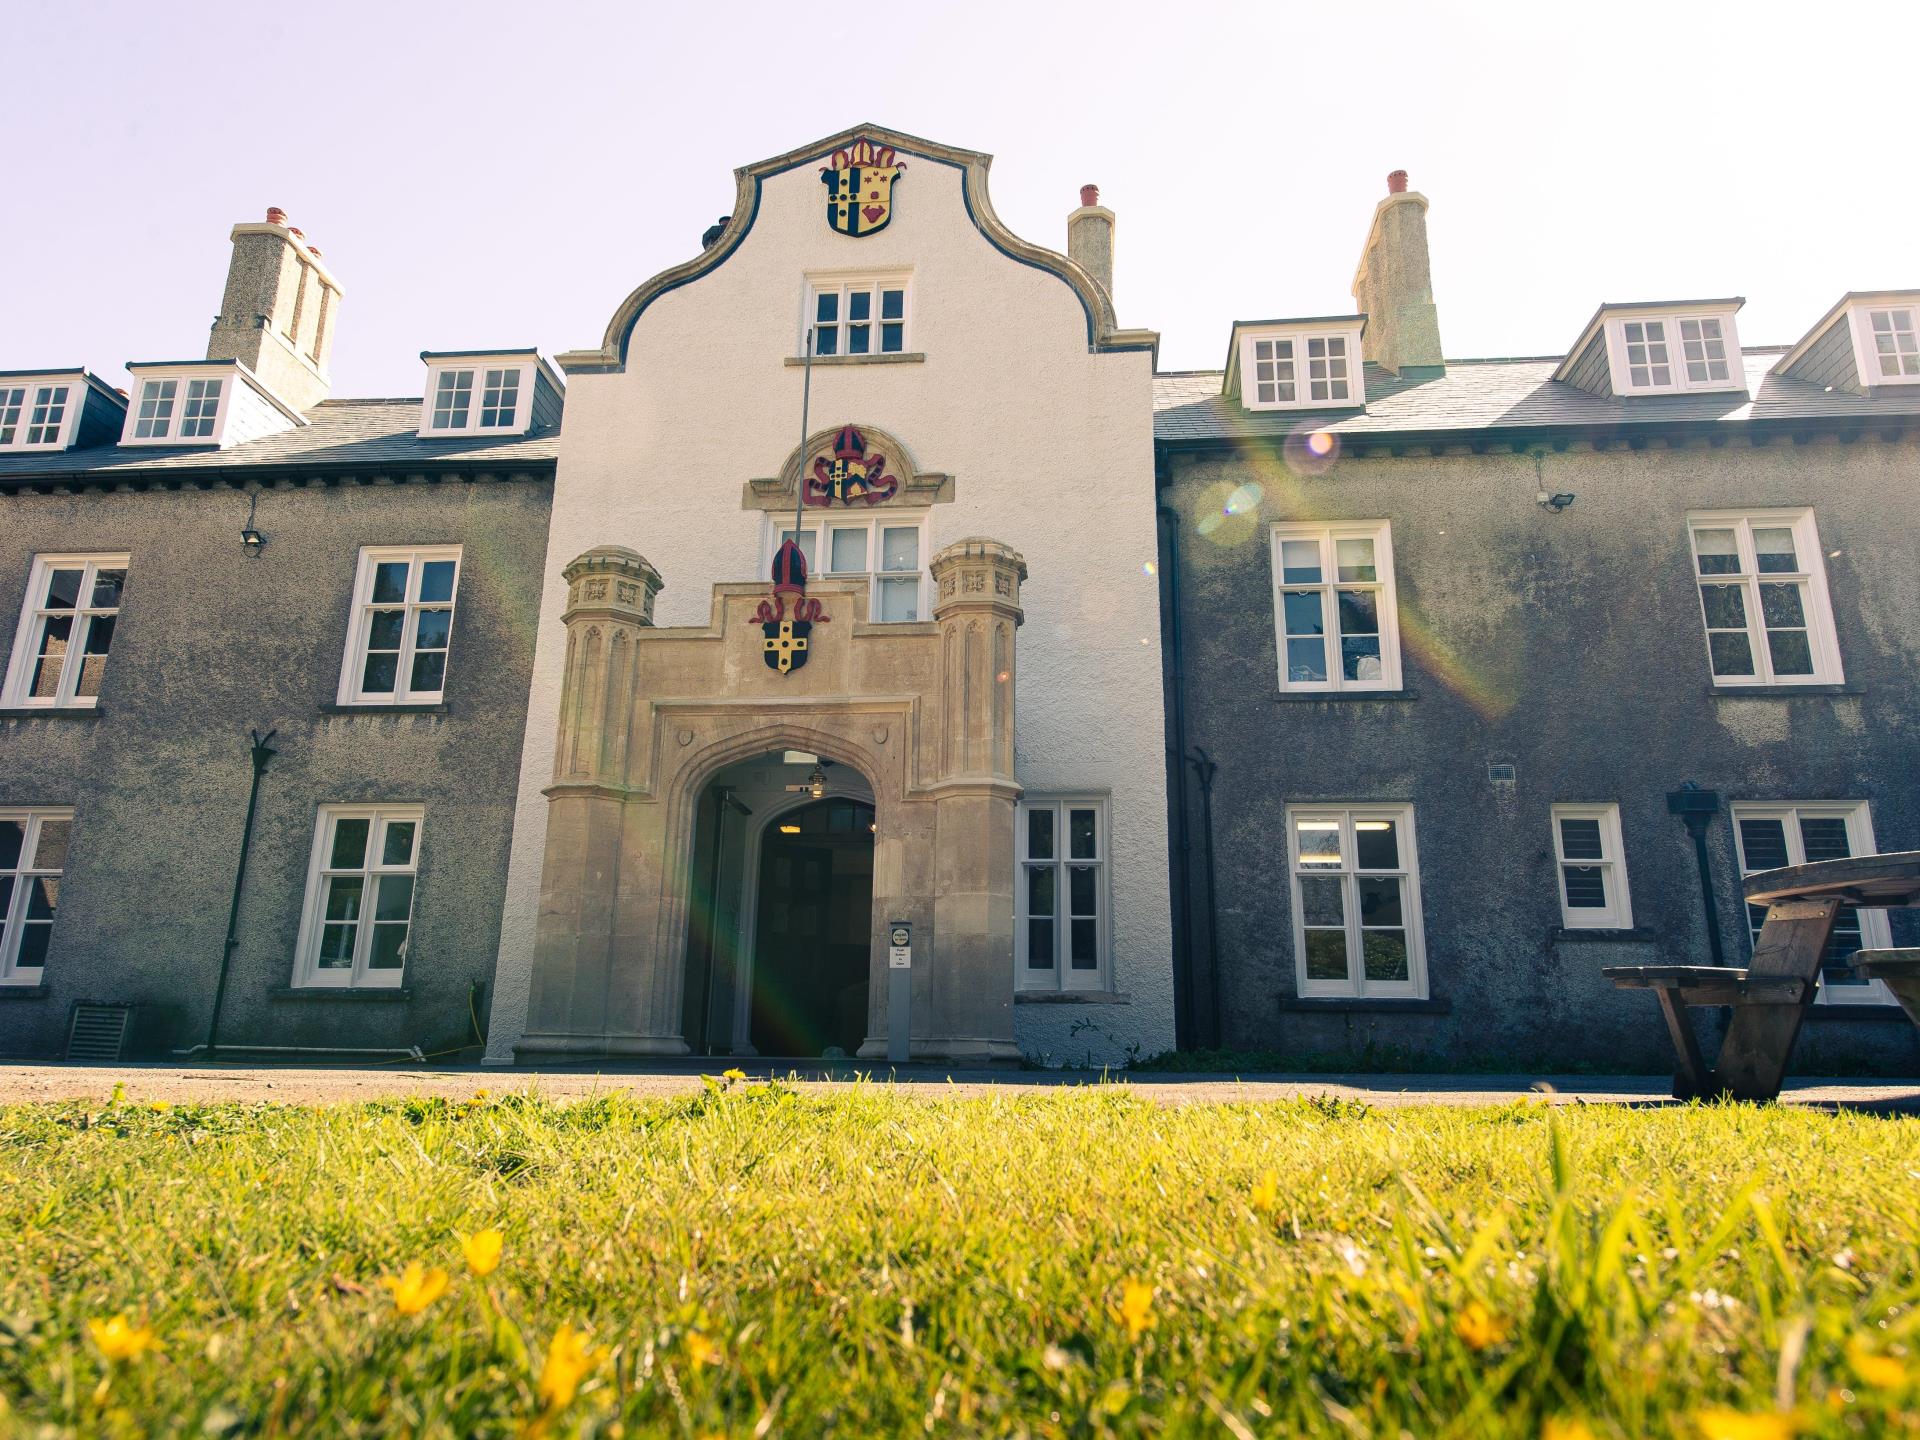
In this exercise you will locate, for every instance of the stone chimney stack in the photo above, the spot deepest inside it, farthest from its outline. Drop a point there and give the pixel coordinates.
(1090, 238)
(1394, 285)
(279, 310)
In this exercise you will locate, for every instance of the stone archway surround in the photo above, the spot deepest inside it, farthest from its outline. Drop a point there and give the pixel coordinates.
(649, 715)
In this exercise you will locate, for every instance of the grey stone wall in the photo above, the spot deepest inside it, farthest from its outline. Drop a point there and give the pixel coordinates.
(212, 641)
(1571, 646)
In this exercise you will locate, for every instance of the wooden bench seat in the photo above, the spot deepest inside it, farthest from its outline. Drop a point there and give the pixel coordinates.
(1899, 970)
(1708, 984)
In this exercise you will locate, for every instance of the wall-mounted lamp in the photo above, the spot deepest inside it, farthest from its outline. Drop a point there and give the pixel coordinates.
(251, 538)
(1555, 503)
(817, 783)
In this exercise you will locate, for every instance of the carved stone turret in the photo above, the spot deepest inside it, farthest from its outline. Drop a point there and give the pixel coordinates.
(610, 592)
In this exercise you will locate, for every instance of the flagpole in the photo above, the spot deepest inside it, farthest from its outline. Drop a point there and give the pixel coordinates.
(800, 476)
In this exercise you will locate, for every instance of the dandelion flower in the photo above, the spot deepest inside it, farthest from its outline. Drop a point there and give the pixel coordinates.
(120, 1339)
(701, 1350)
(1564, 1428)
(734, 1074)
(1480, 1327)
(159, 1107)
(1266, 1195)
(1720, 1423)
(569, 1361)
(1883, 1372)
(483, 1251)
(1136, 1308)
(416, 1287)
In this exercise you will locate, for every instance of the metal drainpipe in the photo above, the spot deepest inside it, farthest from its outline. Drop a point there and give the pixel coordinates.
(263, 752)
(1205, 769)
(1182, 841)
(1696, 809)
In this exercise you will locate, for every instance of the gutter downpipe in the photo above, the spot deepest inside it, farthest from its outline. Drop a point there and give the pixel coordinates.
(1177, 750)
(263, 753)
(1205, 769)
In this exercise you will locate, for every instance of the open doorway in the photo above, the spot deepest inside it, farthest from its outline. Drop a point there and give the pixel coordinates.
(780, 921)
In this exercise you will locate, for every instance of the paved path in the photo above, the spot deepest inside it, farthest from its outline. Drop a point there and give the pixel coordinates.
(318, 1085)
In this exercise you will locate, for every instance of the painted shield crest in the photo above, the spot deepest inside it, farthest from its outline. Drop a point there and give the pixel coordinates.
(788, 615)
(859, 181)
(850, 474)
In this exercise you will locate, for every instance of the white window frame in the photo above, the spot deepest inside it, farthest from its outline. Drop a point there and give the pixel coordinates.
(34, 614)
(1866, 351)
(1875, 933)
(359, 631)
(1303, 380)
(1822, 641)
(1063, 976)
(1617, 913)
(13, 927)
(845, 284)
(873, 522)
(1357, 985)
(307, 973)
(36, 392)
(1672, 324)
(183, 382)
(477, 367)
(1386, 603)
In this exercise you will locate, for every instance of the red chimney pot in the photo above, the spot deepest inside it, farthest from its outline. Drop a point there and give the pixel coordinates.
(1089, 195)
(1397, 183)
(296, 232)
(314, 250)
(276, 216)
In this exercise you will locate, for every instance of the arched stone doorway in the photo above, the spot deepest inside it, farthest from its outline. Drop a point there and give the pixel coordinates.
(781, 925)
(923, 711)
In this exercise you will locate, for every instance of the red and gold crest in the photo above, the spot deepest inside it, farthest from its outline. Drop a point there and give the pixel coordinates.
(850, 474)
(859, 181)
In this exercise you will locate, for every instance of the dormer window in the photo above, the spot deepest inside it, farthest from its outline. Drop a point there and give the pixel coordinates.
(501, 393)
(1298, 365)
(34, 414)
(1652, 363)
(196, 403)
(1895, 353)
(1663, 349)
(212, 403)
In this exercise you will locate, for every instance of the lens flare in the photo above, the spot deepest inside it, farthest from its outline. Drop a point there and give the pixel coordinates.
(1228, 514)
(1149, 569)
(1311, 452)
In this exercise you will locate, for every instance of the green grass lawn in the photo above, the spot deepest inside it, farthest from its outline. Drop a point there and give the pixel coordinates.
(755, 1261)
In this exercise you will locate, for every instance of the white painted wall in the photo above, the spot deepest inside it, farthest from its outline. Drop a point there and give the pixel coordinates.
(1051, 450)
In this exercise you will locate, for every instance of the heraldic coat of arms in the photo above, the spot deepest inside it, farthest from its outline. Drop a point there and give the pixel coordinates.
(850, 474)
(787, 616)
(859, 181)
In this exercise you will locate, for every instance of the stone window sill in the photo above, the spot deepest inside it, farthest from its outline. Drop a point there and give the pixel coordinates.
(1071, 997)
(366, 995)
(438, 708)
(1778, 692)
(1348, 697)
(1564, 935)
(24, 992)
(1857, 1014)
(1335, 1005)
(51, 712)
(905, 358)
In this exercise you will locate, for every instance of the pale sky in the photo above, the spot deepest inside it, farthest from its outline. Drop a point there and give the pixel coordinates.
(483, 174)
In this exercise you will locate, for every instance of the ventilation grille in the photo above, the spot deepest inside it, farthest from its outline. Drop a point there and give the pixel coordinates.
(99, 1032)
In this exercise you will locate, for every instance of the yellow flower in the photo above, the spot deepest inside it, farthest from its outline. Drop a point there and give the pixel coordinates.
(1266, 1195)
(483, 1251)
(701, 1350)
(118, 1338)
(1883, 1372)
(159, 1107)
(1559, 1428)
(1720, 1423)
(415, 1288)
(1480, 1327)
(733, 1074)
(569, 1361)
(1136, 1308)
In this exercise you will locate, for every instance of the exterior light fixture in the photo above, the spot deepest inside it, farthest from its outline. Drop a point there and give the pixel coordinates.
(789, 829)
(817, 783)
(251, 538)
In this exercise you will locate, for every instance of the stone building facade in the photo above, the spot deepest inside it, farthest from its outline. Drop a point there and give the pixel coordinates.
(181, 588)
(1500, 612)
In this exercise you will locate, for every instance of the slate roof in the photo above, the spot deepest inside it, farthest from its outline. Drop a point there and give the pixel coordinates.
(1490, 397)
(341, 435)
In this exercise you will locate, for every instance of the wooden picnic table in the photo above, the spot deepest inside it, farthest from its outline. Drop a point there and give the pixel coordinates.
(1770, 996)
